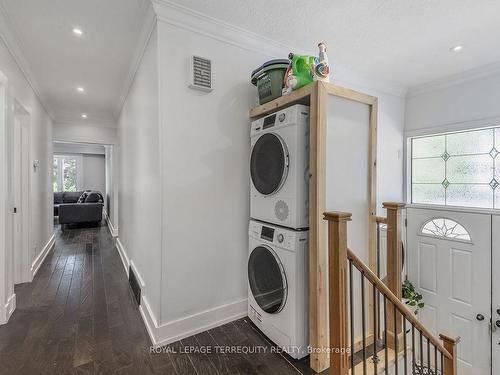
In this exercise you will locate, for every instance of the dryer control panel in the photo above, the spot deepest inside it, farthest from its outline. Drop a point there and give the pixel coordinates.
(281, 237)
(294, 115)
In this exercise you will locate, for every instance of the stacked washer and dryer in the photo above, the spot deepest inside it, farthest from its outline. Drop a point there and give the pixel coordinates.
(278, 263)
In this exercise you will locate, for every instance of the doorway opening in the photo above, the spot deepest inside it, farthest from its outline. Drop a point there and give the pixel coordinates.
(80, 168)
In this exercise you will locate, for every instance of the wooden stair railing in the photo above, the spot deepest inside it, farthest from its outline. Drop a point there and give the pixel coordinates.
(405, 343)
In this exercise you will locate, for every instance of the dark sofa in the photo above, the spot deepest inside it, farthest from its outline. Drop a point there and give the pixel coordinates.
(74, 207)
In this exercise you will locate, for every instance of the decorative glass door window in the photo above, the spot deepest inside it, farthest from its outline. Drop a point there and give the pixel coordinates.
(457, 169)
(67, 173)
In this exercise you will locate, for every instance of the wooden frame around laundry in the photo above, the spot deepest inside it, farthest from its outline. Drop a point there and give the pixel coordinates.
(315, 95)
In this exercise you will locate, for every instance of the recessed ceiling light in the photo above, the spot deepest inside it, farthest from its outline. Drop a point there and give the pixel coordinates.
(77, 31)
(456, 48)
(84, 115)
(80, 89)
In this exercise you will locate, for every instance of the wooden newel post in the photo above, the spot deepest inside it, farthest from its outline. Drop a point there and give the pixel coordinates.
(450, 344)
(337, 271)
(395, 227)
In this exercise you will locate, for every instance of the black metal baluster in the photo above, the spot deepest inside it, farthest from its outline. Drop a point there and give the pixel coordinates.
(429, 353)
(375, 330)
(351, 320)
(386, 351)
(405, 348)
(421, 352)
(435, 360)
(363, 319)
(396, 369)
(413, 347)
(442, 364)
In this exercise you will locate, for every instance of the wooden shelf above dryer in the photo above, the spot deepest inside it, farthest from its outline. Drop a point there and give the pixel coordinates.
(317, 95)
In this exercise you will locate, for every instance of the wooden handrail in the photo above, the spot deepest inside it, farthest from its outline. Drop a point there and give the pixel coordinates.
(380, 220)
(341, 261)
(382, 288)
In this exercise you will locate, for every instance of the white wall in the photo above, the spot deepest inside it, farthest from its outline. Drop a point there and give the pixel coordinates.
(94, 173)
(139, 176)
(205, 172)
(470, 104)
(41, 149)
(205, 176)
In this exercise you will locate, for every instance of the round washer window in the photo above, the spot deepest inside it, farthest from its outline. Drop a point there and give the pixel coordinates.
(268, 164)
(267, 279)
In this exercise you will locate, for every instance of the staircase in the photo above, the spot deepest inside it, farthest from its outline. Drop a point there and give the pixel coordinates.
(371, 330)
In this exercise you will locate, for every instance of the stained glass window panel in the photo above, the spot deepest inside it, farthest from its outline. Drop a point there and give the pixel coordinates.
(428, 147)
(469, 195)
(457, 169)
(428, 194)
(431, 170)
(470, 169)
(474, 142)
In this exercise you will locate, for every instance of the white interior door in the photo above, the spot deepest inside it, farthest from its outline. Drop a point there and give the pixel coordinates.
(20, 189)
(449, 262)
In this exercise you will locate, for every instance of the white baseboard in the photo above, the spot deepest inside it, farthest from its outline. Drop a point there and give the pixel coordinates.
(35, 266)
(112, 229)
(179, 329)
(10, 306)
(123, 255)
(166, 333)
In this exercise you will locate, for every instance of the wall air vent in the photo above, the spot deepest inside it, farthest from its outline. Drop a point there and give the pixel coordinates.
(201, 74)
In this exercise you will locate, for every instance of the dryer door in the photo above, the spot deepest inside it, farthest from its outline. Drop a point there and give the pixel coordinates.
(269, 164)
(267, 279)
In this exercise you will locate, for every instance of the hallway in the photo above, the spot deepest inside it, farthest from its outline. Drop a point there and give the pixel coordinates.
(78, 316)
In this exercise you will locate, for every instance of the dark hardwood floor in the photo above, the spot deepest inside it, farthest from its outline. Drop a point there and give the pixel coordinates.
(78, 316)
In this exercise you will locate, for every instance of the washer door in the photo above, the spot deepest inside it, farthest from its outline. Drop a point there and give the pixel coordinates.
(269, 164)
(267, 279)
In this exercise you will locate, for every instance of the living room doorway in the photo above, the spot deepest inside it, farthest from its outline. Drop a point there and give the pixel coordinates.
(80, 168)
(21, 192)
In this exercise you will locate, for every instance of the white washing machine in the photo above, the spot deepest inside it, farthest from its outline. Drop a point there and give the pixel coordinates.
(278, 285)
(279, 168)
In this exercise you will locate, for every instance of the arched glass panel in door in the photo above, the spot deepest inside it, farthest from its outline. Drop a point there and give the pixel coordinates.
(441, 227)
(267, 279)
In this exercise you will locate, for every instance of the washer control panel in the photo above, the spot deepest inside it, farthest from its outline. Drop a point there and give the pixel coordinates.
(278, 236)
(294, 115)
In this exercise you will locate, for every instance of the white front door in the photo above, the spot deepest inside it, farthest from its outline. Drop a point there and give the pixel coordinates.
(449, 262)
(495, 337)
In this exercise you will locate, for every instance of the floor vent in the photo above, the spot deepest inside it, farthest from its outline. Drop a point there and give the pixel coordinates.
(134, 285)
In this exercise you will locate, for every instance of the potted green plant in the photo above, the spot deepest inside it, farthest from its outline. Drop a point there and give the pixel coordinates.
(411, 298)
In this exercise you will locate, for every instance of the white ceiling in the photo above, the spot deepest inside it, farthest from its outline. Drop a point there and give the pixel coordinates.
(60, 61)
(406, 42)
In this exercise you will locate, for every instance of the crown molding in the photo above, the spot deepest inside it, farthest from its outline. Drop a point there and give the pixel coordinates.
(140, 50)
(455, 79)
(14, 47)
(188, 19)
(177, 15)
